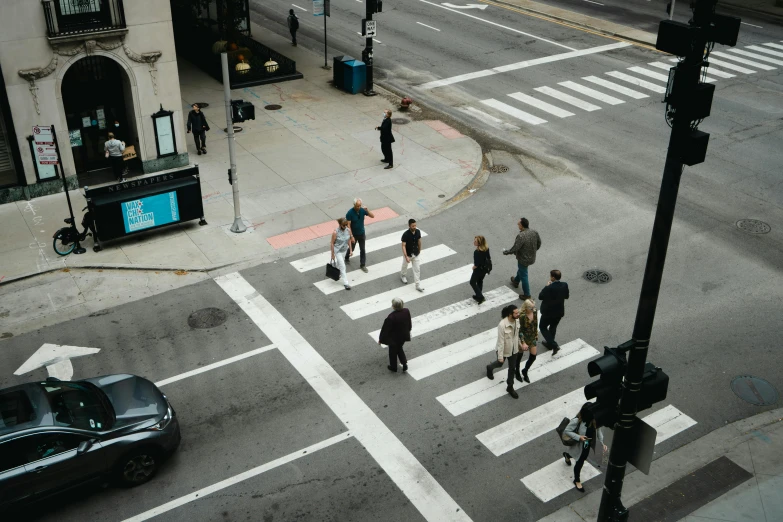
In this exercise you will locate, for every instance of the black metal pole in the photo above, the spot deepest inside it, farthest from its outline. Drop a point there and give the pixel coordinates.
(326, 60)
(611, 508)
(78, 249)
(367, 52)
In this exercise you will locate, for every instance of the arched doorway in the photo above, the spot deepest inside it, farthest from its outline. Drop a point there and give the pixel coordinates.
(97, 100)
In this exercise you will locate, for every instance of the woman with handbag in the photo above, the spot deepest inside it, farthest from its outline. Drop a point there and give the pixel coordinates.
(583, 430)
(482, 264)
(528, 336)
(342, 241)
(395, 332)
(114, 148)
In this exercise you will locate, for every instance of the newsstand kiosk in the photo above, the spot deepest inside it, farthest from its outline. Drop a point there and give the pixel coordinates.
(145, 203)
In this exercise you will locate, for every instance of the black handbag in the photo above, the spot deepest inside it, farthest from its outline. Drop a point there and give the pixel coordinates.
(488, 264)
(332, 272)
(561, 429)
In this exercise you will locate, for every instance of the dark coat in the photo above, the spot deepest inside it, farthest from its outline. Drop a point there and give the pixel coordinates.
(553, 297)
(396, 328)
(197, 121)
(386, 133)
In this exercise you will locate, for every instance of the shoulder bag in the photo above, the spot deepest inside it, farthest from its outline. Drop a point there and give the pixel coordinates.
(565, 439)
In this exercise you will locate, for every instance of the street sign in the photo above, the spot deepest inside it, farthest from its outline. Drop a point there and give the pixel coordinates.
(318, 7)
(56, 358)
(369, 29)
(42, 135)
(47, 155)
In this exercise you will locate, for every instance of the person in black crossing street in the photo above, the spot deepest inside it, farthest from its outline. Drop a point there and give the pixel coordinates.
(197, 123)
(411, 250)
(482, 264)
(293, 25)
(387, 138)
(583, 430)
(552, 299)
(395, 332)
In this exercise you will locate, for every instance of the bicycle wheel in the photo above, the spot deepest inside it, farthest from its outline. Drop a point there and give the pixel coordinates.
(62, 242)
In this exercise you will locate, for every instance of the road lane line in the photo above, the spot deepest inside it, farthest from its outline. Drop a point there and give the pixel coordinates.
(382, 301)
(763, 50)
(743, 61)
(523, 65)
(449, 356)
(302, 8)
(212, 366)
(756, 26)
(538, 104)
(379, 270)
(456, 312)
(490, 120)
(592, 93)
(567, 98)
(236, 479)
(596, 3)
(428, 26)
(483, 391)
(616, 88)
(756, 56)
(498, 25)
(399, 464)
(513, 111)
(636, 81)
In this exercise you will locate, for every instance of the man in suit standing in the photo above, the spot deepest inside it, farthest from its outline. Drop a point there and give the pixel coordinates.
(395, 332)
(387, 138)
(552, 299)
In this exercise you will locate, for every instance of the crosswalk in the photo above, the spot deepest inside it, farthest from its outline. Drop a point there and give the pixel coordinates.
(534, 425)
(592, 93)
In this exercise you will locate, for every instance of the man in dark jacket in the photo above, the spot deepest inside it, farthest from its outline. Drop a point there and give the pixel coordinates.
(525, 247)
(395, 332)
(197, 122)
(293, 25)
(552, 299)
(387, 138)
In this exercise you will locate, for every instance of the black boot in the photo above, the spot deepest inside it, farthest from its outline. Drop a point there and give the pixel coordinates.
(490, 376)
(511, 391)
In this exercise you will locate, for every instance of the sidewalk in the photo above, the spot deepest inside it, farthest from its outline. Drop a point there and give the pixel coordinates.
(732, 474)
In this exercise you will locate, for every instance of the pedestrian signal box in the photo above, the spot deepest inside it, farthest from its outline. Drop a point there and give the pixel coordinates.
(242, 110)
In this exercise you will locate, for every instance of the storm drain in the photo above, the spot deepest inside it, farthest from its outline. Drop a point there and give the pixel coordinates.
(273, 107)
(498, 169)
(207, 318)
(596, 275)
(754, 390)
(753, 226)
(400, 121)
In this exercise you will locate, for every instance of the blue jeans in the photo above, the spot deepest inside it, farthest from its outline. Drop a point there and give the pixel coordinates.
(522, 277)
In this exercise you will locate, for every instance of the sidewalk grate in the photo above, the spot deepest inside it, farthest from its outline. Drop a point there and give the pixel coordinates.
(596, 275)
(753, 226)
(754, 390)
(400, 121)
(498, 169)
(273, 107)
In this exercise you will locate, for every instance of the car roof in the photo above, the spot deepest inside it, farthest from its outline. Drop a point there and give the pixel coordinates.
(23, 407)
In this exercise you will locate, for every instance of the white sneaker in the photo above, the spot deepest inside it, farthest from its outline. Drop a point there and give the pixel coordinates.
(419, 288)
(404, 279)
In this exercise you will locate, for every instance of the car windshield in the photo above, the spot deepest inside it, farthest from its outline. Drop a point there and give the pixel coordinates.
(23, 407)
(76, 406)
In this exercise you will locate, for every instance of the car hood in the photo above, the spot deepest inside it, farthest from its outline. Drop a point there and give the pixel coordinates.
(133, 398)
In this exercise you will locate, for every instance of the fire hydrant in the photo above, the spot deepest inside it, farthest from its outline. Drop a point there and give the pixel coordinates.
(405, 103)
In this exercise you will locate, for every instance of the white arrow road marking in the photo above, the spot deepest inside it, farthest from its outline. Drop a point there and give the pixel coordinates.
(56, 358)
(302, 8)
(468, 6)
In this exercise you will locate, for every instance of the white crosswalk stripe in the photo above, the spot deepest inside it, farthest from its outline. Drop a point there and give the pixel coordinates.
(723, 65)
(513, 112)
(488, 119)
(452, 355)
(650, 74)
(555, 479)
(743, 61)
(636, 81)
(482, 391)
(756, 56)
(567, 98)
(720, 74)
(707, 79)
(774, 45)
(765, 51)
(541, 105)
(371, 245)
(622, 89)
(456, 312)
(592, 93)
(380, 270)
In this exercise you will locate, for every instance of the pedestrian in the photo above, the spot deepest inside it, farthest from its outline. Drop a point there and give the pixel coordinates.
(395, 332)
(197, 122)
(552, 299)
(507, 347)
(482, 264)
(293, 25)
(113, 150)
(355, 216)
(411, 250)
(528, 336)
(583, 429)
(340, 245)
(525, 247)
(387, 138)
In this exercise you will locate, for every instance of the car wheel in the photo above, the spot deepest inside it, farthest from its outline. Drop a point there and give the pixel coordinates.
(138, 467)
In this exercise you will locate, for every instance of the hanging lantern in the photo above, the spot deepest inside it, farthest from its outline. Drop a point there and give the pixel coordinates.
(219, 47)
(271, 66)
(242, 67)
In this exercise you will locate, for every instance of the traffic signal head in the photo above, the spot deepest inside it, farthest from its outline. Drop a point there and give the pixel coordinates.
(611, 368)
(655, 385)
(242, 110)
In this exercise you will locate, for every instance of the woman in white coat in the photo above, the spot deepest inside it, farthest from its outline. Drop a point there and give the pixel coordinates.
(582, 428)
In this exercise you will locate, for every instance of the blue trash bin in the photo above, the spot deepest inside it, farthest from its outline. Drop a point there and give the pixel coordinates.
(355, 77)
(338, 70)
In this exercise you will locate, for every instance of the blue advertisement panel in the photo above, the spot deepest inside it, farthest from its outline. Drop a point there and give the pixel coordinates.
(151, 211)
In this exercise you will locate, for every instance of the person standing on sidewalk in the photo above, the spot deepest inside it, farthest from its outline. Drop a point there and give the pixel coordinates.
(356, 217)
(583, 429)
(387, 138)
(528, 336)
(395, 332)
(341, 244)
(411, 250)
(293, 25)
(197, 122)
(507, 347)
(525, 247)
(481, 267)
(552, 299)
(114, 148)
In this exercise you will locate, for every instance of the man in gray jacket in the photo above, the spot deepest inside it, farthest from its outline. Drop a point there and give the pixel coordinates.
(507, 347)
(525, 247)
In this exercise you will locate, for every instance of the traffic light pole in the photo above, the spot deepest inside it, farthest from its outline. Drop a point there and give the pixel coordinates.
(688, 71)
(238, 226)
(367, 52)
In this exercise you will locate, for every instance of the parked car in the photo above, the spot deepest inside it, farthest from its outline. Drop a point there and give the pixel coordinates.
(55, 435)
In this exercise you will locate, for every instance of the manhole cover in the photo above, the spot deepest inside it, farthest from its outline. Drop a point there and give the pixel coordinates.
(596, 275)
(498, 169)
(753, 226)
(207, 318)
(237, 128)
(202, 105)
(273, 107)
(400, 121)
(754, 390)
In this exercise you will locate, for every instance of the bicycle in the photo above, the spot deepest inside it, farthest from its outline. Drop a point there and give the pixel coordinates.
(67, 239)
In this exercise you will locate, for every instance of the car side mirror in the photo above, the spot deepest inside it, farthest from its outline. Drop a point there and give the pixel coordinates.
(83, 447)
